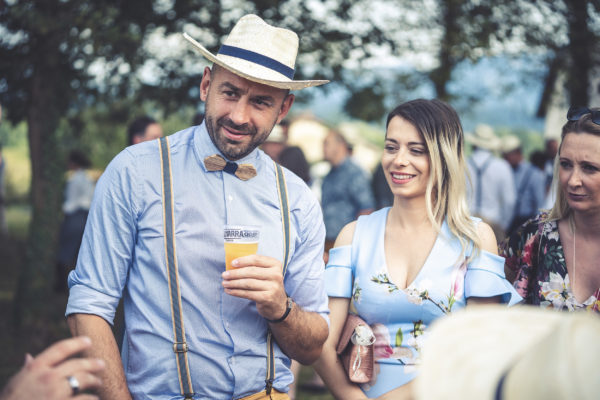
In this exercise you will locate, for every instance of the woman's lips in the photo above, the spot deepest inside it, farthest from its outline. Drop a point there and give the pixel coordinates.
(577, 197)
(401, 178)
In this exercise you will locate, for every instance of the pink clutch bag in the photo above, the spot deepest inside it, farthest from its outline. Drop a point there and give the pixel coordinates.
(355, 349)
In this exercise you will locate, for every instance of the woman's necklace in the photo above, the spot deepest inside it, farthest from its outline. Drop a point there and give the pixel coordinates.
(574, 258)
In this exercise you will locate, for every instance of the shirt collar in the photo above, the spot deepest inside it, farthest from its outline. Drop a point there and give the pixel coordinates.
(205, 147)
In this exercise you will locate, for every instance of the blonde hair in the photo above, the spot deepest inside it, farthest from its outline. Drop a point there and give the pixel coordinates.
(584, 124)
(446, 195)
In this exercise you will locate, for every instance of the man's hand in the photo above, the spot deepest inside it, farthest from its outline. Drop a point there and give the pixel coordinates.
(47, 375)
(258, 278)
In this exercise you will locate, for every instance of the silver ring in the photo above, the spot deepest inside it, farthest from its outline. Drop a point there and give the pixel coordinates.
(74, 383)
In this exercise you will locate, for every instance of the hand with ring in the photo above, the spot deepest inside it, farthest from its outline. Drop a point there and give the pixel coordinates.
(55, 375)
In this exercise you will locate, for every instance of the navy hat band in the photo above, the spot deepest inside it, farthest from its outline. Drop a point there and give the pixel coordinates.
(259, 59)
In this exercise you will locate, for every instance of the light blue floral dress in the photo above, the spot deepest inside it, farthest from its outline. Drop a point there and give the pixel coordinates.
(399, 317)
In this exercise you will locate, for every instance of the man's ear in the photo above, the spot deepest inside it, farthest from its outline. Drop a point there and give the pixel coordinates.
(285, 106)
(205, 84)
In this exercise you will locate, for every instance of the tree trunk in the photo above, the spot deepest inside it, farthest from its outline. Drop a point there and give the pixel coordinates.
(43, 118)
(580, 48)
(441, 75)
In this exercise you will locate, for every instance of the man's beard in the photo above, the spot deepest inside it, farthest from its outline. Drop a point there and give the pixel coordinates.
(231, 149)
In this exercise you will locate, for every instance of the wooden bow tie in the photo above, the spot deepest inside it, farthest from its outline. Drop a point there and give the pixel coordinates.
(218, 163)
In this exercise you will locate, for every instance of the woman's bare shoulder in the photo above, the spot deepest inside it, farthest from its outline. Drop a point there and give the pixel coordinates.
(346, 235)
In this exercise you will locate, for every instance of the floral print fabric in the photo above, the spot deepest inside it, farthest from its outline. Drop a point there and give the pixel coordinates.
(535, 263)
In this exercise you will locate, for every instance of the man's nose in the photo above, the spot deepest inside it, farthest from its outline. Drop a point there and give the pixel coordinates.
(240, 112)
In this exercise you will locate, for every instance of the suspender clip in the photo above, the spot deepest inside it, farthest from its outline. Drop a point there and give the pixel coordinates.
(180, 347)
(269, 386)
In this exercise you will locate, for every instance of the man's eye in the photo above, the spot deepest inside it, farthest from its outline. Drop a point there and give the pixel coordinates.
(262, 103)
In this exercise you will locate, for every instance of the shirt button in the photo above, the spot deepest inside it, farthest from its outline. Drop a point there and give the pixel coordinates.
(230, 198)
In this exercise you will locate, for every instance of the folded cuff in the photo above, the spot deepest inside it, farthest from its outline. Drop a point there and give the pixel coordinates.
(85, 300)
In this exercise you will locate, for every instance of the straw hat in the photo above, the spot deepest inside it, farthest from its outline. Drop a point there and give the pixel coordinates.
(524, 353)
(484, 138)
(510, 143)
(259, 52)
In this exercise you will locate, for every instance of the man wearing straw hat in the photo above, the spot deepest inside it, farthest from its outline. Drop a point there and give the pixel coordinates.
(492, 196)
(529, 182)
(155, 237)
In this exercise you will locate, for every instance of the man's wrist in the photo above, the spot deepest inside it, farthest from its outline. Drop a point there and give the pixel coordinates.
(288, 309)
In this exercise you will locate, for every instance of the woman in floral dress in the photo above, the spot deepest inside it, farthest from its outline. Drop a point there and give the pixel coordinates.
(404, 266)
(554, 259)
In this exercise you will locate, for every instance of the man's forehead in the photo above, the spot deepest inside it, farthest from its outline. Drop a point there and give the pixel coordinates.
(225, 76)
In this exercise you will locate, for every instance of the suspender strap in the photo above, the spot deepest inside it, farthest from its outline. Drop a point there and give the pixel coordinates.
(521, 190)
(479, 172)
(285, 214)
(180, 346)
(285, 223)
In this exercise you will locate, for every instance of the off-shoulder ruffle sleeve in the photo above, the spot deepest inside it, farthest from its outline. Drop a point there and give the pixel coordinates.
(485, 278)
(338, 272)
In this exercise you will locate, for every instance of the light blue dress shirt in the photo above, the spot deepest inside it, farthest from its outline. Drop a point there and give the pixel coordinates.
(498, 193)
(122, 254)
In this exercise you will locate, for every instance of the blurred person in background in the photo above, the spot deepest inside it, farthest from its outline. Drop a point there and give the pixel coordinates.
(554, 259)
(198, 118)
(530, 182)
(56, 374)
(143, 129)
(381, 190)
(79, 191)
(346, 189)
(550, 149)
(403, 267)
(492, 196)
(291, 157)
(537, 158)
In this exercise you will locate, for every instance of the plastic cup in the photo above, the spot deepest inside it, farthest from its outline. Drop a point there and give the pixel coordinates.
(239, 240)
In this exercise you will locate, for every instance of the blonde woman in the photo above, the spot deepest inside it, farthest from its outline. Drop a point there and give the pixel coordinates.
(554, 258)
(404, 266)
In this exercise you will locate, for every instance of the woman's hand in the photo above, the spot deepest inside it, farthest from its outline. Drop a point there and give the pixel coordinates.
(55, 375)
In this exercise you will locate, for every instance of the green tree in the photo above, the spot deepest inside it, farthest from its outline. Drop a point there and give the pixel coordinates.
(46, 48)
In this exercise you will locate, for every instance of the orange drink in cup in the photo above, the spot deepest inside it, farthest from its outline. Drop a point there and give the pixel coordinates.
(240, 240)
